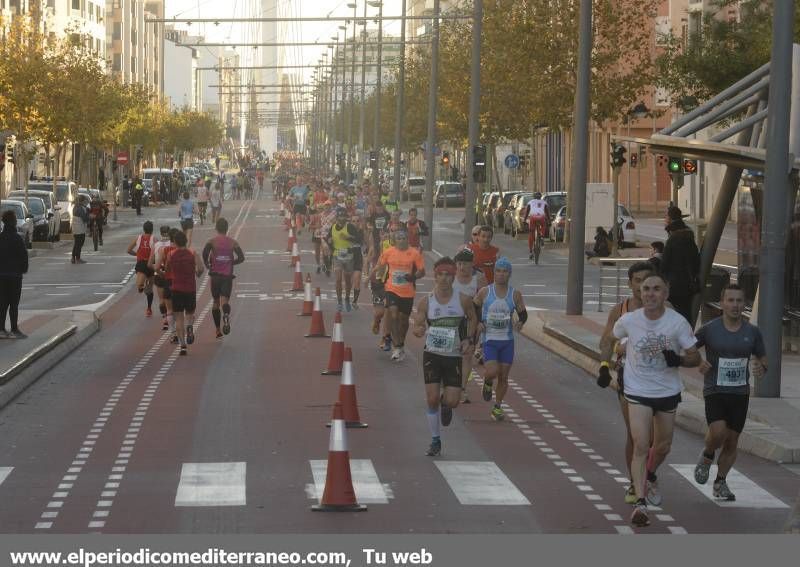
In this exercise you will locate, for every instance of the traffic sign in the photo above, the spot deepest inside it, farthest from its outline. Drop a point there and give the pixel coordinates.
(512, 161)
(122, 158)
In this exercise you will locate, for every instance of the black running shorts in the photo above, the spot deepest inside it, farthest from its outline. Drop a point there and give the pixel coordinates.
(183, 301)
(143, 268)
(730, 408)
(663, 405)
(404, 304)
(221, 286)
(438, 369)
(187, 224)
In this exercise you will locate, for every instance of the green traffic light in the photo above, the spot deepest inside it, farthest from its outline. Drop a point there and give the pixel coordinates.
(674, 165)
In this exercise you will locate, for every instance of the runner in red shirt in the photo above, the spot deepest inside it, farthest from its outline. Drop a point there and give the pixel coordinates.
(184, 266)
(141, 247)
(485, 254)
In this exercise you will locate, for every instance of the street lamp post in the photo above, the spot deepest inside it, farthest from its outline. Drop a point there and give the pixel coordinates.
(398, 125)
(344, 96)
(474, 112)
(430, 166)
(638, 112)
(334, 74)
(362, 108)
(377, 125)
(349, 159)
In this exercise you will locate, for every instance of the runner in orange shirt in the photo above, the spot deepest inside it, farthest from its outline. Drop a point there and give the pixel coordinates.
(406, 265)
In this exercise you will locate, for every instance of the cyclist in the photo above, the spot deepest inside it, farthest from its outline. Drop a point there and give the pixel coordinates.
(537, 213)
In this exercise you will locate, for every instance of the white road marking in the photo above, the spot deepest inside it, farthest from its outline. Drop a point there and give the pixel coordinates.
(366, 484)
(480, 483)
(748, 493)
(4, 472)
(212, 484)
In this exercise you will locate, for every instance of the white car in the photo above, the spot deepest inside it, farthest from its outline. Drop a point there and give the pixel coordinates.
(66, 194)
(24, 219)
(626, 223)
(413, 189)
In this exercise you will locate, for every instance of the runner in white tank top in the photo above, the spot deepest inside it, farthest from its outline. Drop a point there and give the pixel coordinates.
(468, 282)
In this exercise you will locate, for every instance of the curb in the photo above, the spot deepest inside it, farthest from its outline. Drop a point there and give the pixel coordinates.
(793, 521)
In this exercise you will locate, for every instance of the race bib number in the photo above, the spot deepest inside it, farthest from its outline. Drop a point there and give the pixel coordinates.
(380, 223)
(345, 254)
(441, 340)
(732, 372)
(498, 321)
(399, 277)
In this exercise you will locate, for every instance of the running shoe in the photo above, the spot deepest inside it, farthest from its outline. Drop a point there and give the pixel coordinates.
(721, 490)
(319, 269)
(355, 306)
(446, 415)
(183, 350)
(701, 469)
(339, 307)
(174, 340)
(164, 324)
(348, 306)
(530, 256)
(17, 334)
(189, 335)
(464, 396)
(398, 354)
(387, 344)
(376, 326)
(435, 448)
(487, 391)
(226, 323)
(219, 334)
(630, 495)
(148, 312)
(498, 414)
(639, 516)
(653, 495)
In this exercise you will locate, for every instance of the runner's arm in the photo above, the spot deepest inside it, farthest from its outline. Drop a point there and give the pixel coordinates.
(131, 250)
(238, 254)
(198, 264)
(420, 317)
(522, 311)
(472, 317)
(207, 254)
(607, 340)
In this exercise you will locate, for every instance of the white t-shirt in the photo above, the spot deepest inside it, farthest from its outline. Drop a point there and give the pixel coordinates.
(536, 208)
(646, 372)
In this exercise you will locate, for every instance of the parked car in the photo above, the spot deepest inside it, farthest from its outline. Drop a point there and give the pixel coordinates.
(413, 189)
(489, 203)
(510, 211)
(555, 200)
(51, 210)
(24, 219)
(65, 197)
(41, 224)
(496, 215)
(454, 192)
(626, 223)
(519, 224)
(558, 225)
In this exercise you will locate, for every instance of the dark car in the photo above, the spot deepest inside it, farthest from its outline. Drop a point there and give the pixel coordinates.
(456, 196)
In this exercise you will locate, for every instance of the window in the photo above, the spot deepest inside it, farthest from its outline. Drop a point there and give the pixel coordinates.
(117, 62)
(117, 34)
(133, 65)
(76, 4)
(133, 37)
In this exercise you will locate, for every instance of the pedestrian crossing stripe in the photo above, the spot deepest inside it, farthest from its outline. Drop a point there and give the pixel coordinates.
(366, 484)
(748, 493)
(480, 483)
(212, 484)
(4, 472)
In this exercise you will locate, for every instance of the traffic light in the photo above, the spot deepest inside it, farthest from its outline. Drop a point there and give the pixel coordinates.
(445, 158)
(618, 155)
(689, 166)
(675, 165)
(479, 163)
(373, 159)
(634, 160)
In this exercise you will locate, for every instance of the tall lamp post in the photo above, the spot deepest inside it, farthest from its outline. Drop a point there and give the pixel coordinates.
(349, 160)
(398, 125)
(344, 96)
(377, 125)
(361, 107)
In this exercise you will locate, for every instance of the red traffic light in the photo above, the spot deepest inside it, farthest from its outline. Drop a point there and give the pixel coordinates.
(689, 166)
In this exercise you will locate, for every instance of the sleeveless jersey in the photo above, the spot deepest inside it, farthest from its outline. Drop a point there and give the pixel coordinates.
(144, 244)
(468, 289)
(187, 209)
(340, 244)
(182, 266)
(444, 324)
(413, 234)
(497, 315)
(166, 254)
(485, 259)
(222, 256)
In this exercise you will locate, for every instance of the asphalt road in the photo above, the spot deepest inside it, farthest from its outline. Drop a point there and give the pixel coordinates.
(124, 436)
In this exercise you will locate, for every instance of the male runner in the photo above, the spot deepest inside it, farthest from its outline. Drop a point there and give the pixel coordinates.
(341, 239)
(164, 279)
(416, 229)
(497, 303)
(158, 281)
(220, 254)
(731, 343)
(186, 210)
(450, 320)
(467, 282)
(215, 200)
(326, 222)
(298, 196)
(406, 265)
(637, 273)
(202, 199)
(652, 383)
(142, 247)
(537, 213)
(184, 266)
(485, 254)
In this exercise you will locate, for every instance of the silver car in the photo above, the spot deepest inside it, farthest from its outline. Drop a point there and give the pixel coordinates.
(24, 219)
(51, 207)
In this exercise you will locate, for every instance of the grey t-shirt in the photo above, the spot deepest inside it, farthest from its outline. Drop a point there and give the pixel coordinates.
(729, 355)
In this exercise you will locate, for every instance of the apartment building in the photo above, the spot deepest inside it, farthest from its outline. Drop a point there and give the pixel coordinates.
(136, 47)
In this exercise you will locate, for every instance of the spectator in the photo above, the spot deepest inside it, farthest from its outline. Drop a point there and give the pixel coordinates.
(80, 218)
(680, 263)
(13, 263)
(602, 244)
(656, 253)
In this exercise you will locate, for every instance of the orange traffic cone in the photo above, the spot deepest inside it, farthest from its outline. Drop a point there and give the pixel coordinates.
(317, 322)
(295, 257)
(298, 278)
(292, 240)
(347, 393)
(339, 495)
(308, 302)
(337, 348)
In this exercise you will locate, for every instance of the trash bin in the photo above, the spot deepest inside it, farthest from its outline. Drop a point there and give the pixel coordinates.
(717, 279)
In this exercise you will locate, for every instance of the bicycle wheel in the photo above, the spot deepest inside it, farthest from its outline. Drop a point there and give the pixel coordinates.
(537, 248)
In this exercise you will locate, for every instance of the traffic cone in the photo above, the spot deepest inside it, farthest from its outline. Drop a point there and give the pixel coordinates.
(292, 240)
(337, 348)
(317, 322)
(295, 257)
(298, 278)
(339, 495)
(308, 302)
(347, 393)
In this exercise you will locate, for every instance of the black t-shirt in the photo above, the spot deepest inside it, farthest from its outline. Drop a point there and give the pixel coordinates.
(729, 355)
(380, 224)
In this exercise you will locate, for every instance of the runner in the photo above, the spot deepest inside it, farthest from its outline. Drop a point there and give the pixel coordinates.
(406, 265)
(378, 288)
(467, 282)
(164, 278)
(298, 196)
(497, 303)
(184, 266)
(186, 210)
(142, 247)
(158, 281)
(315, 226)
(730, 343)
(450, 320)
(485, 254)
(537, 213)
(202, 200)
(215, 199)
(652, 384)
(416, 229)
(637, 273)
(341, 239)
(220, 254)
(326, 222)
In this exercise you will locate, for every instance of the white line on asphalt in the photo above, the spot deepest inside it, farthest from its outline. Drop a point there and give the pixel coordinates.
(480, 483)
(366, 484)
(4, 472)
(212, 484)
(748, 493)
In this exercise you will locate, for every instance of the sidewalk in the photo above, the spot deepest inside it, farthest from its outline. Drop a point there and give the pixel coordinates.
(772, 430)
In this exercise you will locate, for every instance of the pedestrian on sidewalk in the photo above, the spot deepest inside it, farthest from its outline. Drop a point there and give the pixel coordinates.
(680, 263)
(13, 263)
(80, 218)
